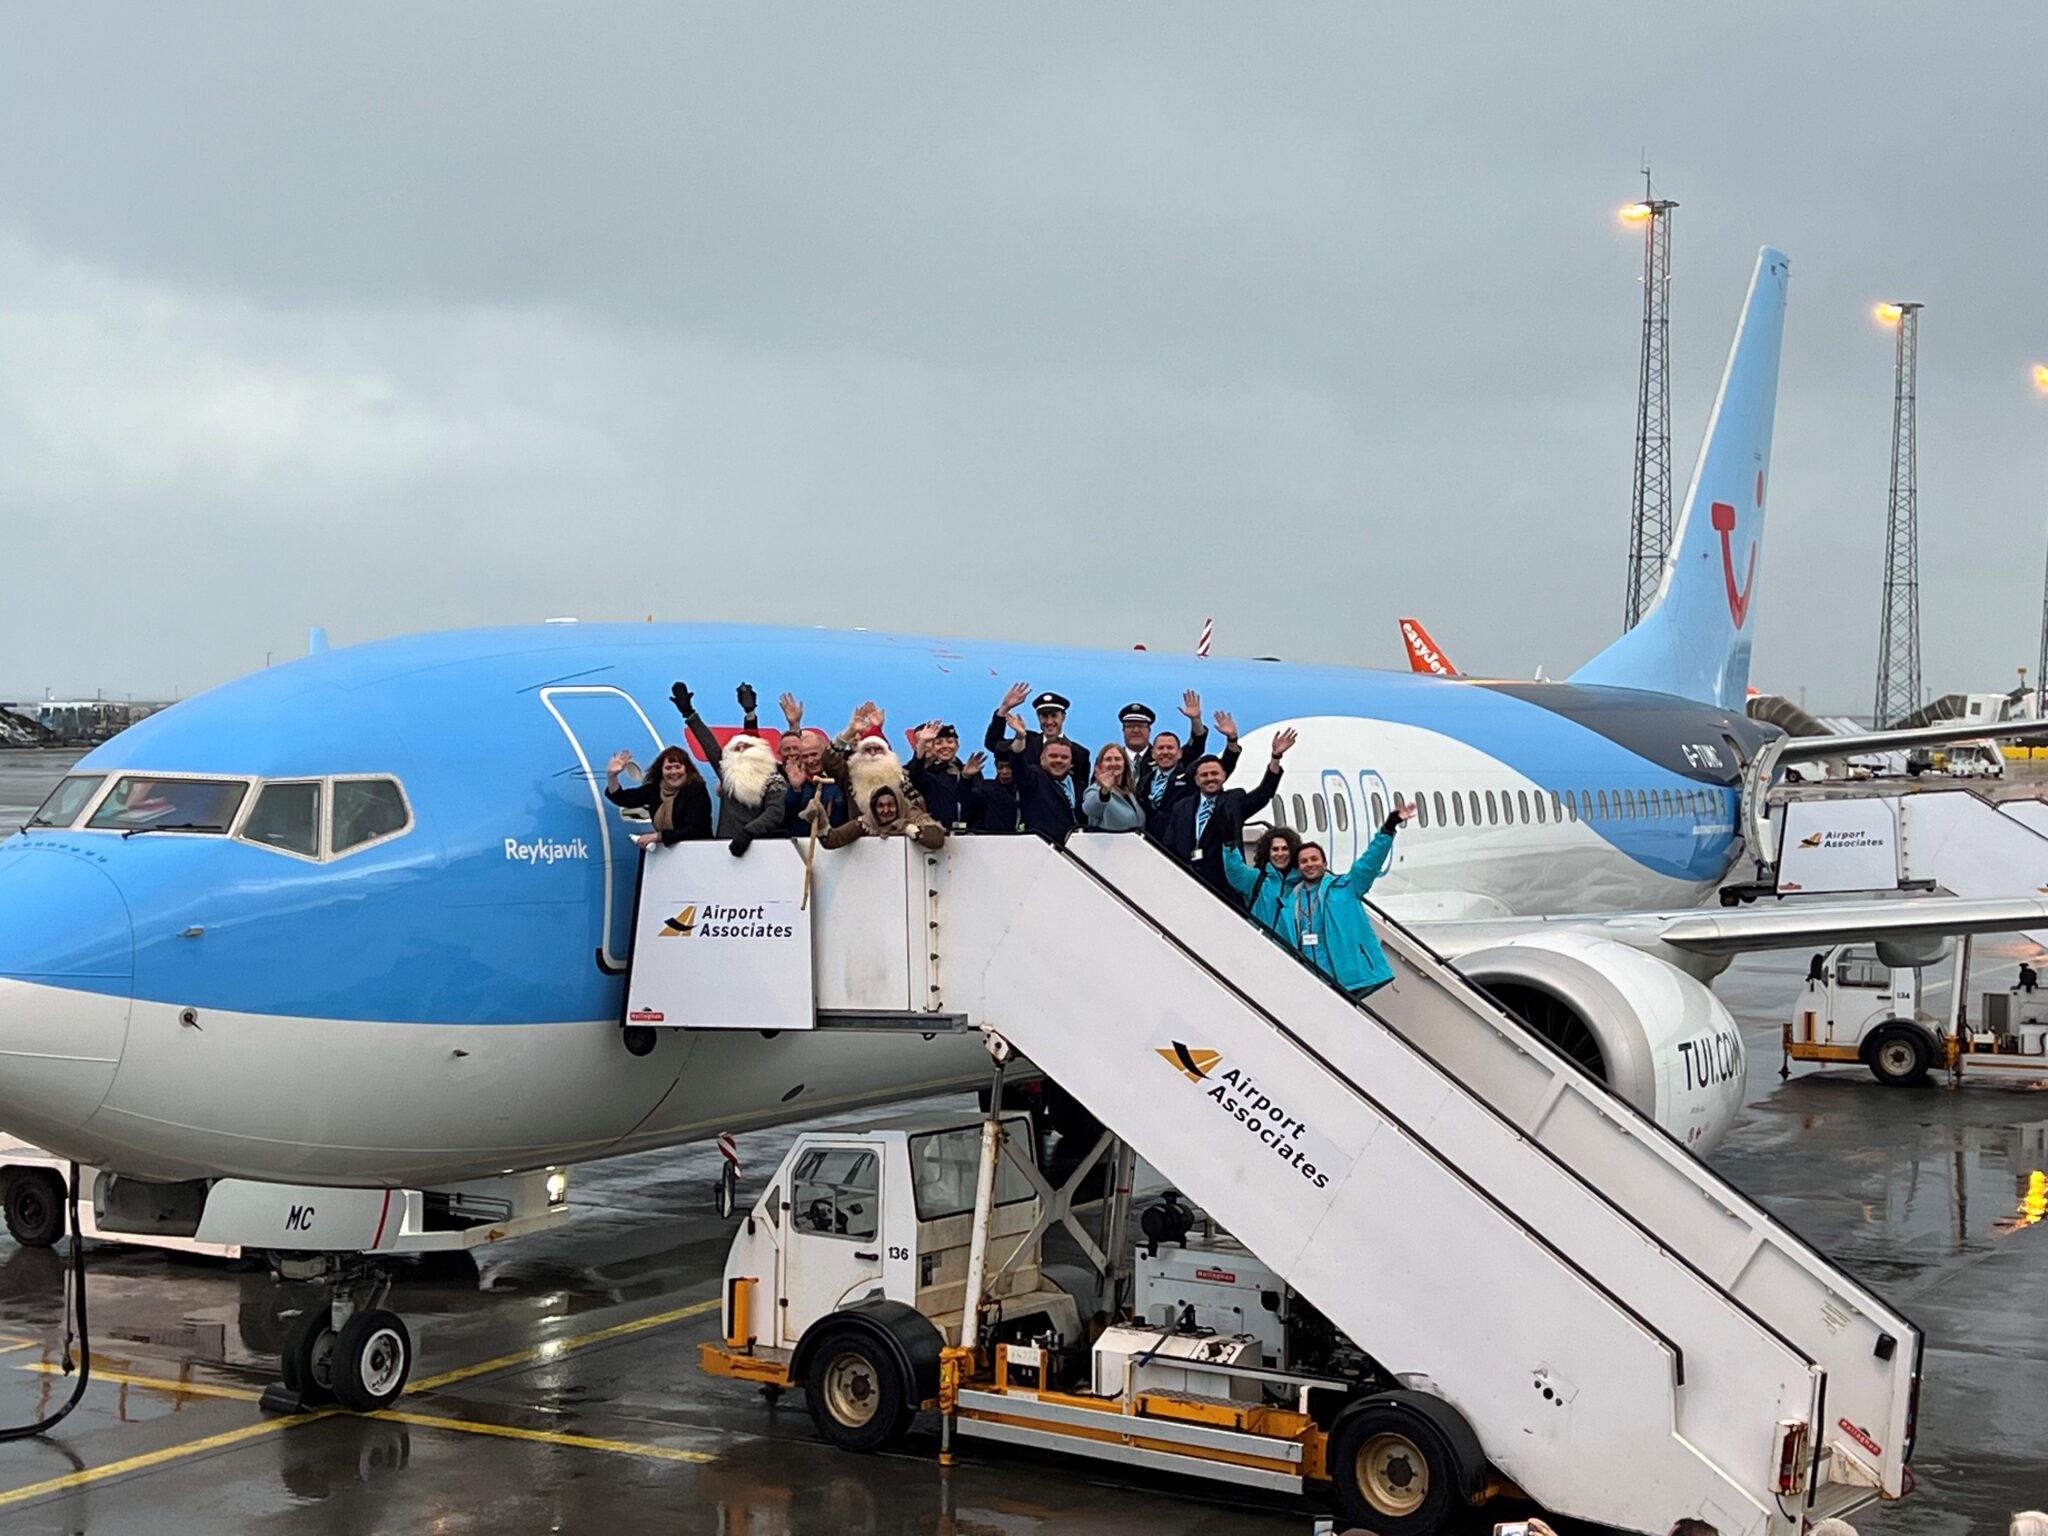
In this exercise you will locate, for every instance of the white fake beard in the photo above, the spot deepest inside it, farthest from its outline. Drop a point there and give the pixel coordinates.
(743, 769)
(871, 770)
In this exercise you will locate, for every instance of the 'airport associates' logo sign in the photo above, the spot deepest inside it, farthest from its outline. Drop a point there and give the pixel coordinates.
(1248, 1104)
(1854, 837)
(722, 920)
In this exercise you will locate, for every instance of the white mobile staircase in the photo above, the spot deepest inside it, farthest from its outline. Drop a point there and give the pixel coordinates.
(1630, 1338)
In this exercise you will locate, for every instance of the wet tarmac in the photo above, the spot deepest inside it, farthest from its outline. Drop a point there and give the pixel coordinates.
(557, 1386)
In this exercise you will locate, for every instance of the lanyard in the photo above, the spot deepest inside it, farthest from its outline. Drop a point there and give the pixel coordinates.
(1308, 909)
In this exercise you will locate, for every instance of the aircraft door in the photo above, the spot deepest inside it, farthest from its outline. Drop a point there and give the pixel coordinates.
(832, 1242)
(599, 721)
(1344, 837)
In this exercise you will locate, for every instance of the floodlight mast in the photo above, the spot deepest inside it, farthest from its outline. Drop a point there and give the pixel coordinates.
(2041, 676)
(1898, 648)
(1651, 513)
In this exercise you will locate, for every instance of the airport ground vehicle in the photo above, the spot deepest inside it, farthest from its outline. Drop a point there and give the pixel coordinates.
(857, 1270)
(1855, 1008)
(34, 1185)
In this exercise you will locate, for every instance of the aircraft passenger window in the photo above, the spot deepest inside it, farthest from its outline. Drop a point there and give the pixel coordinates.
(1585, 805)
(1603, 805)
(1507, 808)
(1472, 798)
(1322, 823)
(286, 816)
(1421, 808)
(1458, 807)
(365, 810)
(837, 1191)
(1643, 807)
(1522, 800)
(139, 803)
(67, 800)
(1300, 814)
(1440, 808)
(1669, 808)
(1379, 808)
(1340, 808)
(1542, 811)
(1492, 811)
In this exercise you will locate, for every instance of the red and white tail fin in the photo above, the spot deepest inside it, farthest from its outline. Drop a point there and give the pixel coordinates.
(1424, 655)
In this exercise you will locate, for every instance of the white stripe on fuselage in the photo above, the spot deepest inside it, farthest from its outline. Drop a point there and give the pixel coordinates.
(340, 1101)
(1459, 872)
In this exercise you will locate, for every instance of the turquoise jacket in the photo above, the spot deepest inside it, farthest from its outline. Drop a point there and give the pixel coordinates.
(1263, 890)
(1333, 912)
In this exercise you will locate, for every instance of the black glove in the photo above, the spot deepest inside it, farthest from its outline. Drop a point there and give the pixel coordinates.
(748, 698)
(740, 842)
(1392, 824)
(679, 694)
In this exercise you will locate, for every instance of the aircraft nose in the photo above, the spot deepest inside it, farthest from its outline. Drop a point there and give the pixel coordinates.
(67, 970)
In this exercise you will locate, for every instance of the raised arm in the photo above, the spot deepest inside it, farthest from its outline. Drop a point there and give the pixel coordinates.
(1258, 799)
(679, 695)
(1379, 853)
(1226, 722)
(1240, 874)
(992, 739)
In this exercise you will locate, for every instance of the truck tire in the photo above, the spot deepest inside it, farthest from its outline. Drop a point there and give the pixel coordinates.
(1404, 1464)
(1899, 1056)
(857, 1392)
(35, 1207)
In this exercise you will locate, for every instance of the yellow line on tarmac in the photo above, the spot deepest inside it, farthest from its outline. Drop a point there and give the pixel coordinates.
(10, 1342)
(154, 1383)
(148, 1459)
(234, 1437)
(555, 1347)
(546, 1436)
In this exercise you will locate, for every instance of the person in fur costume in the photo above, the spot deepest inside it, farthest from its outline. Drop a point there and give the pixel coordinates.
(885, 814)
(752, 794)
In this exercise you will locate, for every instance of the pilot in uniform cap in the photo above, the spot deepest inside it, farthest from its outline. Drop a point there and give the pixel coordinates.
(1051, 701)
(1136, 712)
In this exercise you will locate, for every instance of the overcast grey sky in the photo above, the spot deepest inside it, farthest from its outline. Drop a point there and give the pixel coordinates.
(1078, 322)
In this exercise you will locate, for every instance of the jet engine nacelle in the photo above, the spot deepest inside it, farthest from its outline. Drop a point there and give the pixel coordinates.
(1656, 1036)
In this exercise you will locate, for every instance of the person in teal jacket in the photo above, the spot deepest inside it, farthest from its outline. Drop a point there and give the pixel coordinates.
(1265, 883)
(1325, 914)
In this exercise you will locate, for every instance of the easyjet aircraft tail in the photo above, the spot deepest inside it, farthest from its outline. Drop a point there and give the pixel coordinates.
(1695, 641)
(1424, 654)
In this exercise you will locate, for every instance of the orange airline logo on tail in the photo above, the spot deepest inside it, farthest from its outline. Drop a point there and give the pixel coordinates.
(1424, 655)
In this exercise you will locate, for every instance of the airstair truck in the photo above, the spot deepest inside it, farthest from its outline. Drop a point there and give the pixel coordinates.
(1570, 1303)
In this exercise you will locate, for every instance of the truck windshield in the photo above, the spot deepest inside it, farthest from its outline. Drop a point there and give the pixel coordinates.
(140, 803)
(943, 1168)
(67, 800)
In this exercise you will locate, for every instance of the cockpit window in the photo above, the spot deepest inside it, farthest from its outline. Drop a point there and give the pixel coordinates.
(67, 800)
(138, 803)
(365, 810)
(287, 816)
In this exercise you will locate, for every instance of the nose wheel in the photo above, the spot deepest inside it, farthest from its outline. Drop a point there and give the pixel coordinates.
(347, 1349)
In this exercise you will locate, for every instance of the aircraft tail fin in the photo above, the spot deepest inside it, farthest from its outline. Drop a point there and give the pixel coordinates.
(1695, 640)
(1424, 654)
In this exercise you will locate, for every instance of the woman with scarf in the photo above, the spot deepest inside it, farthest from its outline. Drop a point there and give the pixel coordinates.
(672, 793)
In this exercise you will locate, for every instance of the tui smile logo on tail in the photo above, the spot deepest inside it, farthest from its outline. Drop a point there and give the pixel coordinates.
(1724, 523)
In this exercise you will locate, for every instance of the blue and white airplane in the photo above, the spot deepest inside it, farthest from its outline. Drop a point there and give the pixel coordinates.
(334, 923)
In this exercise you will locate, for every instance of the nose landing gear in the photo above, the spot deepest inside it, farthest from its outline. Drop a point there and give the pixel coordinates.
(347, 1349)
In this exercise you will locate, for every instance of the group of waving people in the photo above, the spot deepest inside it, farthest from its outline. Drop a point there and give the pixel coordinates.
(1171, 789)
